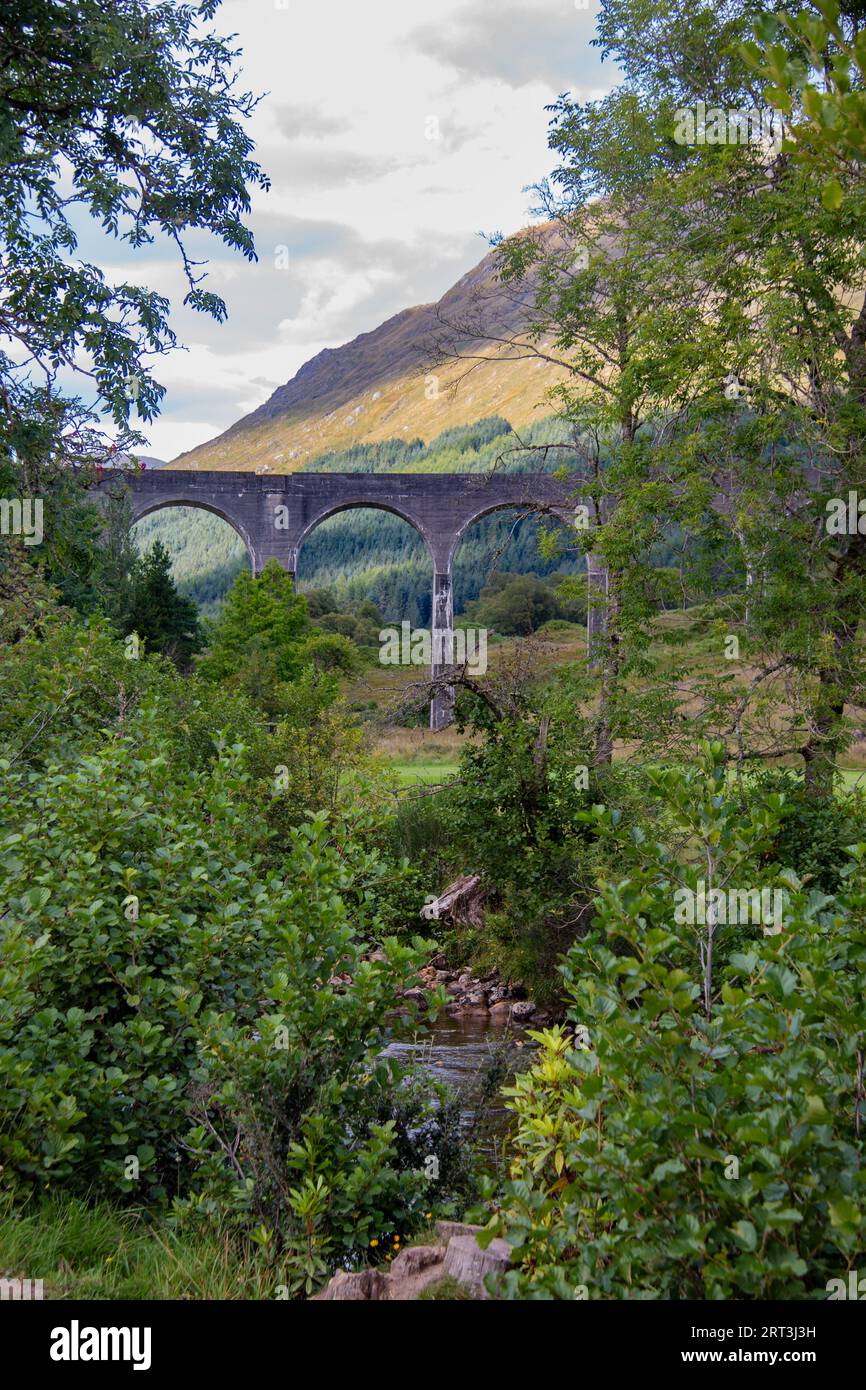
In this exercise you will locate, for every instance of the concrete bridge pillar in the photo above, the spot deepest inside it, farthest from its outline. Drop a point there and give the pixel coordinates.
(278, 533)
(442, 623)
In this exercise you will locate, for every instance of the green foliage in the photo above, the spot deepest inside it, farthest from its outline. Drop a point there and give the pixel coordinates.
(188, 1012)
(302, 767)
(330, 651)
(155, 611)
(61, 690)
(290, 1097)
(256, 641)
(126, 125)
(514, 818)
(112, 1010)
(27, 602)
(515, 605)
(671, 1145)
(362, 622)
(132, 116)
(815, 832)
(813, 66)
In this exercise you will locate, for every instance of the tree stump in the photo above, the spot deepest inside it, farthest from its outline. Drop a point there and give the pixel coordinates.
(466, 1262)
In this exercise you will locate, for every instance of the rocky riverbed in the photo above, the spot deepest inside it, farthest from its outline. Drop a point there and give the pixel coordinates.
(481, 995)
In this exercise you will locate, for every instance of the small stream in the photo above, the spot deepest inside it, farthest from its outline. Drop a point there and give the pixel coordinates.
(459, 1049)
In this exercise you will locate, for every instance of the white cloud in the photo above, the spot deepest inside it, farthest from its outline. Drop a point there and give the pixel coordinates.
(517, 42)
(304, 120)
(375, 214)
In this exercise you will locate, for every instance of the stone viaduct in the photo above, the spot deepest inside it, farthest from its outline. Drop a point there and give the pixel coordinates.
(275, 513)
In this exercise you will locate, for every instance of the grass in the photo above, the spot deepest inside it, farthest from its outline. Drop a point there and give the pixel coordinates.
(447, 1288)
(686, 641)
(91, 1250)
(408, 774)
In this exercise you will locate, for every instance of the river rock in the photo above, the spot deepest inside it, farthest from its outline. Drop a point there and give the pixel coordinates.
(523, 1008)
(476, 999)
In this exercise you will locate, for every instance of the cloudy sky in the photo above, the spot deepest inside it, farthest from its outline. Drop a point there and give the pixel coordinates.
(394, 131)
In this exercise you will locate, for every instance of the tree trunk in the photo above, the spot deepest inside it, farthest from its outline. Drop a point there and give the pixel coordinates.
(836, 676)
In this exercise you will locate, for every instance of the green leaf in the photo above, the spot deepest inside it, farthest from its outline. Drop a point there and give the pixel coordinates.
(844, 1212)
(831, 195)
(745, 1235)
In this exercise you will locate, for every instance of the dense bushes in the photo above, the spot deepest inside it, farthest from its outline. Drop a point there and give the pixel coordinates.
(514, 818)
(60, 692)
(672, 1145)
(814, 831)
(185, 1010)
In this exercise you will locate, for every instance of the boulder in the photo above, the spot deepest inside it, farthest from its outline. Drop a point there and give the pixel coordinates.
(524, 1008)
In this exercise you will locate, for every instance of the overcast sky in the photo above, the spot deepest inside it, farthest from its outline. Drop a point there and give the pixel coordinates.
(372, 211)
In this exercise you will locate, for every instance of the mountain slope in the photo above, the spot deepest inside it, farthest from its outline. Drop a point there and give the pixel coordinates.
(392, 383)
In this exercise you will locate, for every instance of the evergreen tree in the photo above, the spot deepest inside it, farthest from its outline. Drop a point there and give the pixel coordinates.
(165, 620)
(256, 640)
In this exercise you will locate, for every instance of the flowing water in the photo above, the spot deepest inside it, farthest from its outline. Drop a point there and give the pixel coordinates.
(461, 1050)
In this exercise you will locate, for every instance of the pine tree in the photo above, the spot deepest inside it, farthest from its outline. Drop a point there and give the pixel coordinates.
(256, 640)
(164, 619)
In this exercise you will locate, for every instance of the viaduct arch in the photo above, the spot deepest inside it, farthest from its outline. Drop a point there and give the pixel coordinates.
(275, 513)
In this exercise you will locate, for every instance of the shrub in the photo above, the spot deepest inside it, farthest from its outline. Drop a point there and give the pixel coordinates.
(675, 1146)
(815, 830)
(330, 651)
(151, 959)
(59, 695)
(515, 819)
(514, 604)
